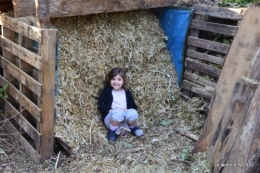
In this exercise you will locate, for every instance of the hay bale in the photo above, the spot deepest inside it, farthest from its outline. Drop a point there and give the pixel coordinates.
(90, 47)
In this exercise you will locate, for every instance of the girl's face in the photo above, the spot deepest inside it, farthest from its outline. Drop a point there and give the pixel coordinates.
(117, 83)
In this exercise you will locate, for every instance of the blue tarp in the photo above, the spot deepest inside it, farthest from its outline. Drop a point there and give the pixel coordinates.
(175, 23)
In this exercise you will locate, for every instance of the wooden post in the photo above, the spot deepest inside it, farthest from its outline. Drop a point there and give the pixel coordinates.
(42, 14)
(47, 79)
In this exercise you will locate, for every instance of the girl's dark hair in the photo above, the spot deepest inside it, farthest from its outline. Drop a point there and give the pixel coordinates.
(113, 73)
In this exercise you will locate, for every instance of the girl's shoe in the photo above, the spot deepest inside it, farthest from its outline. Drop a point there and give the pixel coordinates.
(112, 135)
(136, 131)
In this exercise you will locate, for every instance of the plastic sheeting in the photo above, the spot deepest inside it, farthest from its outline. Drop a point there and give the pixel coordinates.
(175, 22)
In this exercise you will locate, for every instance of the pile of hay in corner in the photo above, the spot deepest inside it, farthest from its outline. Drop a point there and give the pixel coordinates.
(90, 47)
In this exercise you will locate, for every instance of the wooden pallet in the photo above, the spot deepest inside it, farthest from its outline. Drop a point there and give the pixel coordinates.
(200, 57)
(30, 106)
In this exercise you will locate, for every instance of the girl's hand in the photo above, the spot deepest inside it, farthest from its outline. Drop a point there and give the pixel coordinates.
(110, 110)
(125, 109)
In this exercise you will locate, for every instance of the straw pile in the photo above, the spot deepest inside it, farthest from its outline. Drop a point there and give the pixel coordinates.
(90, 47)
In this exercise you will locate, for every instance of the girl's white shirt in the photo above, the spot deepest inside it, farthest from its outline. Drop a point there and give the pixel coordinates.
(119, 99)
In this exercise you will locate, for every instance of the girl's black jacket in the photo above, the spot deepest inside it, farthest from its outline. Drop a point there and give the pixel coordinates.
(106, 98)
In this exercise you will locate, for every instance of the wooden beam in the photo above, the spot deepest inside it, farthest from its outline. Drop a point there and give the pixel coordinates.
(47, 78)
(220, 12)
(42, 14)
(197, 89)
(204, 57)
(27, 127)
(61, 8)
(214, 27)
(198, 79)
(22, 99)
(22, 28)
(204, 68)
(21, 76)
(208, 45)
(23, 53)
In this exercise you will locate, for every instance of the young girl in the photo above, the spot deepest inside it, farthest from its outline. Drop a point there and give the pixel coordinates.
(117, 104)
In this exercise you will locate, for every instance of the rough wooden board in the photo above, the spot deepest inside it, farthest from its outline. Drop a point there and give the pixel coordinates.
(223, 149)
(21, 28)
(214, 27)
(47, 78)
(220, 12)
(237, 64)
(247, 143)
(61, 8)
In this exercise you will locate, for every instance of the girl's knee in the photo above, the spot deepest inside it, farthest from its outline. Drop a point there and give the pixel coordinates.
(118, 115)
(131, 115)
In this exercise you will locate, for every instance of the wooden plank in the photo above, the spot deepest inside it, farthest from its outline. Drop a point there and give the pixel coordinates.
(220, 12)
(198, 79)
(61, 8)
(230, 142)
(246, 146)
(24, 54)
(214, 27)
(47, 78)
(21, 76)
(5, 7)
(27, 127)
(197, 89)
(22, 99)
(204, 68)
(42, 14)
(208, 45)
(20, 27)
(204, 57)
(27, 146)
(238, 63)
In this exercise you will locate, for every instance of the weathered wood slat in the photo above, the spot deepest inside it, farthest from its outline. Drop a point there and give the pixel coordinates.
(47, 78)
(198, 79)
(214, 27)
(23, 100)
(220, 12)
(21, 76)
(27, 127)
(27, 146)
(204, 68)
(208, 45)
(229, 140)
(246, 147)
(20, 27)
(61, 8)
(24, 54)
(204, 57)
(196, 89)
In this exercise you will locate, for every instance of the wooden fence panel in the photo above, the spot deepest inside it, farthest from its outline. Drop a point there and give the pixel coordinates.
(30, 108)
(205, 57)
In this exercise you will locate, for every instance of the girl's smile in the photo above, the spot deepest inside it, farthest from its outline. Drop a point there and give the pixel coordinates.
(117, 83)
